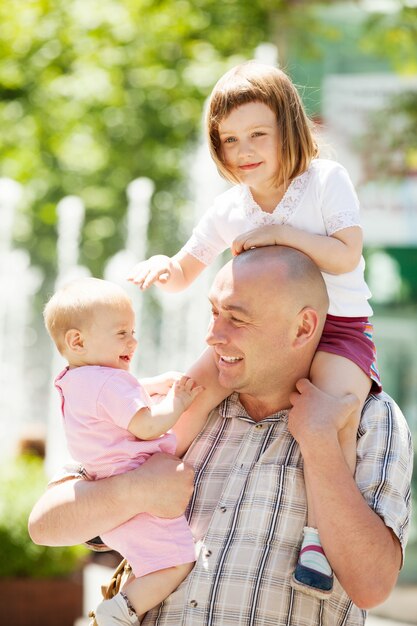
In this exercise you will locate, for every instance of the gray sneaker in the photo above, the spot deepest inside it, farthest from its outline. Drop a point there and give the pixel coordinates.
(114, 612)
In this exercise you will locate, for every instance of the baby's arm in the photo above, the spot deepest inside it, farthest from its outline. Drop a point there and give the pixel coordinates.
(336, 254)
(169, 273)
(152, 422)
(191, 422)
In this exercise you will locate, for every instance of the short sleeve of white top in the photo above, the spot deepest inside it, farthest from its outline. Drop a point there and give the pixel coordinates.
(322, 201)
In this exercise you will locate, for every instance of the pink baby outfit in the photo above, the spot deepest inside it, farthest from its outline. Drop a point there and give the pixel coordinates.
(98, 404)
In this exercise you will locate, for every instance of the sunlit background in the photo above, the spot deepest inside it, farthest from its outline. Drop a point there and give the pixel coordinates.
(103, 163)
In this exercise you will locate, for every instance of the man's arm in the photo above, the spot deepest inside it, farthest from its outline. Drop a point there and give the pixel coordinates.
(74, 511)
(364, 553)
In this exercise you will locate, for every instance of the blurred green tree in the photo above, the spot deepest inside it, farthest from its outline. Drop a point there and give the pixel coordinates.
(94, 94)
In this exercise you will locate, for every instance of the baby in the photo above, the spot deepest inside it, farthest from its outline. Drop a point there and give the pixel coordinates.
(112, 426)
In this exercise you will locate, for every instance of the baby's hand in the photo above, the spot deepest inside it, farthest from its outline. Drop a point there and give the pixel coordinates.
(183, 392)
(161, 383)
(155, 269)
(255, 238)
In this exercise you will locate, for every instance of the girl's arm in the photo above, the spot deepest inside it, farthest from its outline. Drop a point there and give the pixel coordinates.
(336, 254)
(191, 422)
(152, 422)
(160, 384)
(169, 273)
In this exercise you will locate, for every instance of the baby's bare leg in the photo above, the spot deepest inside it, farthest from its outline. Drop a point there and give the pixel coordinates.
(337, 376)
(148, 591)
(205, 373)
(142, 594)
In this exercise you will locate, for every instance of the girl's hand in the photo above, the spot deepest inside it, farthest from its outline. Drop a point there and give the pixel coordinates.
(257, 238)
(155, 269)
(160, 384)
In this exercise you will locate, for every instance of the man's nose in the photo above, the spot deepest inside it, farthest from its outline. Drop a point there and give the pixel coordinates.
(216, 332)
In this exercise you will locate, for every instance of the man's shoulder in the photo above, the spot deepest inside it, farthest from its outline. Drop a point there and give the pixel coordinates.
(380, 409)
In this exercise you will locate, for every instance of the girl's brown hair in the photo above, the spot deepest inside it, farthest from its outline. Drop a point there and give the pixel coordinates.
(256, 82)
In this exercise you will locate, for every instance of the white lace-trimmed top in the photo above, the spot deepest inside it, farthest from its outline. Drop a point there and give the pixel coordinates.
(322, 200)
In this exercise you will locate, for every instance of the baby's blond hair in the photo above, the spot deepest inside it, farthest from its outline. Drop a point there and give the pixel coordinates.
(75, 304)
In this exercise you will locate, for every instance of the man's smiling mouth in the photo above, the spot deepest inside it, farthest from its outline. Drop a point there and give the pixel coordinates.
(231, 359)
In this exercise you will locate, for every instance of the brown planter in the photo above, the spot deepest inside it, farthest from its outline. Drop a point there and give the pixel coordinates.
(40, 602)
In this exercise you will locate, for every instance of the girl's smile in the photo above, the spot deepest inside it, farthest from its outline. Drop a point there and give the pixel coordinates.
(250, 146)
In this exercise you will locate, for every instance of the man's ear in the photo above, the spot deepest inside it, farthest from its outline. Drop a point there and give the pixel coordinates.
(74, 341)
(307, 326)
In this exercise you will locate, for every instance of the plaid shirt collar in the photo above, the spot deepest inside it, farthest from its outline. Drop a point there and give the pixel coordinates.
(232, 408)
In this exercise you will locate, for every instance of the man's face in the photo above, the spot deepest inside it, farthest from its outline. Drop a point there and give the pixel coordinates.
(250, 332)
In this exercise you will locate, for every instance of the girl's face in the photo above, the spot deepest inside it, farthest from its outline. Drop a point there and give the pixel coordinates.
(250, 143)
(109, 340)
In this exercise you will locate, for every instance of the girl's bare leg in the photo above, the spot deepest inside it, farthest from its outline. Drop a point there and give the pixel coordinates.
(337, 376)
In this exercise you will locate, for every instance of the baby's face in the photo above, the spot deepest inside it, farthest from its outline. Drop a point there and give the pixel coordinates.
(110, 340)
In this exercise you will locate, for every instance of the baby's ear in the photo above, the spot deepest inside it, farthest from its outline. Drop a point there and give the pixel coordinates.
(74, 340)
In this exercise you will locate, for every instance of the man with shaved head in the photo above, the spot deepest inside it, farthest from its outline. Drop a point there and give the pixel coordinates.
(249, 502)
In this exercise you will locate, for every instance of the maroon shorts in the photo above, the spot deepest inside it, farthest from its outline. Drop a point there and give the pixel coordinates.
(351, 337)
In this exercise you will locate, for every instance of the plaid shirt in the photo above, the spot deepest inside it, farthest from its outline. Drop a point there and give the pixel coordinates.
(249, 505)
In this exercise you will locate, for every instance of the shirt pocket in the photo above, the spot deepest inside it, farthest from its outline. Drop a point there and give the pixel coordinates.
(274, 506)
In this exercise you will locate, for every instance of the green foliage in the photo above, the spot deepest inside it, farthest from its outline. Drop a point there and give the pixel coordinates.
(21, 483)
(394, 34)
(94, 94)
(389, 146)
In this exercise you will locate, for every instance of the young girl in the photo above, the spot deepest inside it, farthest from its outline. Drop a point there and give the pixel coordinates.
(262, 141)
(112, 426)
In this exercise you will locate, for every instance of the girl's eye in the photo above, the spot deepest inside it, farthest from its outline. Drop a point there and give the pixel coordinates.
(258, 134)
(230, 140)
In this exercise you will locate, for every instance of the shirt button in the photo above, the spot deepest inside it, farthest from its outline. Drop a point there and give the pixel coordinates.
(208, 553)
(193, 603)
(223, 509)
(259, 426)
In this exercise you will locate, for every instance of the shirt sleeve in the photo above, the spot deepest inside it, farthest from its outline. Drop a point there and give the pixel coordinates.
(340, 204)
(384, 463)
(206, 242)
(120, 398)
